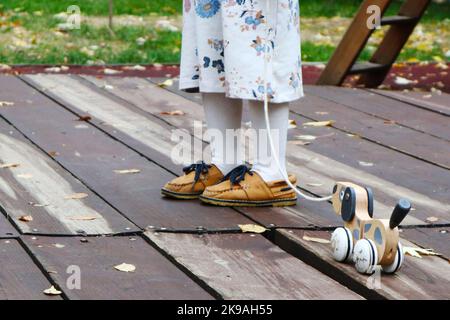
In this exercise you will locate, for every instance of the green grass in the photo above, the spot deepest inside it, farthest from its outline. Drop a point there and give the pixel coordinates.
(161, 46)
(97, 7)
(310, 8)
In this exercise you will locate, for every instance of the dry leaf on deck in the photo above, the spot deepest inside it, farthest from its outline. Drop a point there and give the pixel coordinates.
(25, 176)
(301, 143)
(80, 195)
(6, 104)
(9, 165)
(52, 291)
(306, 137)
(58, 245)
(432, 219)
(418, 252)
(173, 113)
(252, 228)
(365, 164)
(83, 218)
(312, 184)
(127, 171)
(26, 218)
(318, 240)
(292, 124)
(167, 83)
(84, 118)
(319, 123)
(125, 267)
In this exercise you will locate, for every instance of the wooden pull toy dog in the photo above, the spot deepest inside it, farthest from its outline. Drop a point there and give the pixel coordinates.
(368, 242)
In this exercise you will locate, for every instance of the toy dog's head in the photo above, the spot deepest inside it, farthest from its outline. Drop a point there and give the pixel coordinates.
(348, 198)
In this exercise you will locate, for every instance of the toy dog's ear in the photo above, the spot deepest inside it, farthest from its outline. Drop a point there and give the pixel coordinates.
(348, 204)
(369, 201)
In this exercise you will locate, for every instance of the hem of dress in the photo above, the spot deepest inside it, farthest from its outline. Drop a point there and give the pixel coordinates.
(190, 86)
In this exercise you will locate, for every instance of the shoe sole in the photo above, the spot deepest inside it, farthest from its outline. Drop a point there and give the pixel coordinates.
(243, 203)
(181, 196)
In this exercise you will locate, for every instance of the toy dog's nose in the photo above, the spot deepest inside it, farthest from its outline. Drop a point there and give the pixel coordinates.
(400, 211)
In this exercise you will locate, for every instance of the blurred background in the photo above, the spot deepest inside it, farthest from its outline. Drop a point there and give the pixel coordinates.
(148, 32)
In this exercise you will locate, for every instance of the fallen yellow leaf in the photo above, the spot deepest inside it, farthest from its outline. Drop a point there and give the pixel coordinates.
(417, 252)
(9, 165)
(318, 240)
(76, 196)
(83, 218)
(432, 219)
(253, 228)
(26, 218)
(6, 104)
(292, 124)
(111, 71)
(319, 123)
(127, 171)
(173, 113)
(306, 137)
(125, 267)
(25, 176)
(52, 291)
(167, 83)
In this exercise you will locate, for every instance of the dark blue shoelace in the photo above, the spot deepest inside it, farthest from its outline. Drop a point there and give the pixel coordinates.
(237, 174)
(199, 168)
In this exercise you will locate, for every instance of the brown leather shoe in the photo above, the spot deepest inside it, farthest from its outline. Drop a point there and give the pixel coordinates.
(245, 188)
(191, 185)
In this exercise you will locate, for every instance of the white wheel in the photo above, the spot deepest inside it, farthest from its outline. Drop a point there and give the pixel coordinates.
(398, 261)
(342, 244)
(365, 256)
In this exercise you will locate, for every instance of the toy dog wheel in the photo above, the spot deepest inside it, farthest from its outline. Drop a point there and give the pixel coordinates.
(365, 256)
(396, 265)
(342, 244)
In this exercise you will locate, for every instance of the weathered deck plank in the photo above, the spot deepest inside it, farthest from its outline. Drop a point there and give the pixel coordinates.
(431, 101)
(426, 278)
(92, 156)
(243, 266)
(390, 109)
(154, 278)
(436, 238)
(38, 187)
(380, 131)
(7, 230)
(20, 277)
(391, 176)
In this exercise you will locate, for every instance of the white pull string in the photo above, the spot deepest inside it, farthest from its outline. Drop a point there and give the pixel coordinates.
(266, 114)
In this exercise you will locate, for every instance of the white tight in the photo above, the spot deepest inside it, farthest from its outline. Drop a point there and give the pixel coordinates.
(223, 113)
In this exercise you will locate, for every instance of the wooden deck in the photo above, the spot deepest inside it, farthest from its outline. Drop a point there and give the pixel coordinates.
(184, 250)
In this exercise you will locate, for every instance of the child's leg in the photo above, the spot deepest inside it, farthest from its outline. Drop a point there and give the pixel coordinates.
(264, 164)
(221, 114)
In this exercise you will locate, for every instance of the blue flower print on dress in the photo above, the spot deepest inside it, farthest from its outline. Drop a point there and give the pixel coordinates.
(207, 8)
(260, 46)
(217, 64)
(260, 90)
(253, 21)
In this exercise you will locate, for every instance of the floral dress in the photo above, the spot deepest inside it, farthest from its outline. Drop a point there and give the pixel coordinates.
(225, 43)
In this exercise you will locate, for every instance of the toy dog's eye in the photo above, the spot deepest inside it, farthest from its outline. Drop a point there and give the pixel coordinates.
(341, 195)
